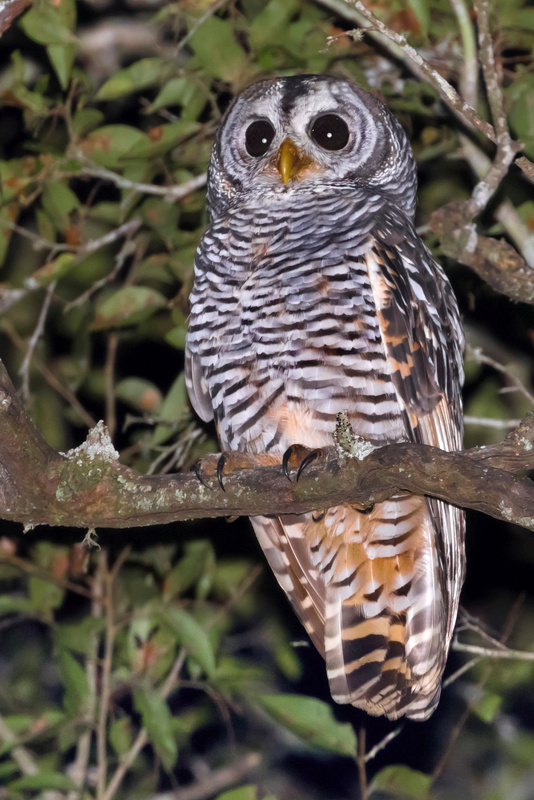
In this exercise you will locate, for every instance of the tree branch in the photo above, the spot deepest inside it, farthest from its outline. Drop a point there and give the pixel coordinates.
(87, 487)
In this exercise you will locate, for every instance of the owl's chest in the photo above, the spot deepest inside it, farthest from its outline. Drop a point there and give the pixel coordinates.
(274, 290)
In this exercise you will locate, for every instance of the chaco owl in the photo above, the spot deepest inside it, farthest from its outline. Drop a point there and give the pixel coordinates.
(314, 295)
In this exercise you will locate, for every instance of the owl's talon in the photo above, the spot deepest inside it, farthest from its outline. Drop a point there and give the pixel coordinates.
(363, 509)
(286, 459)
(317, 516)
(220, 471)
(295, 452)
(309, 459)
(197, 469)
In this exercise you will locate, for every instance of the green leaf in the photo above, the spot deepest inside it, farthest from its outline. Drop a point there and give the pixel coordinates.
(162, 138)
(139, 75)
(13, 604)
(43, 780)
(242, 793)
(488, 706)
(521, 115)
(189, 569)
(217, 50)
(311, 720)
(176, 337)
(59, 201)
(177, 91)
(402, 782)
(47, 23)
(157, 719)
(271, 23)
(74, 682)
(120, 735)
(421, 9)
(55, 269)
(127, 306)
(62, 58)
(139, 393)
(86, 119)
(107, 145)
(192, 636)
(45, 595)
(173, 408)
(79, 637)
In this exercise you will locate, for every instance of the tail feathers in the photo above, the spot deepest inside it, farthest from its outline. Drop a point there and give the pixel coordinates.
(384, 636)
(367, 589)
(289, 558)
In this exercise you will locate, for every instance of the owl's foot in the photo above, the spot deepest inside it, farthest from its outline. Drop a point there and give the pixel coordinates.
(216, 466)
(300, 457)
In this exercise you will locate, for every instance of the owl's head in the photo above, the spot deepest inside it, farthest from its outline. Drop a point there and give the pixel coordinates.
(290, 134)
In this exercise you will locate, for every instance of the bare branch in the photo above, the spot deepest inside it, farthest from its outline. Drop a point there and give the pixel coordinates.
(24, 370)
(169, 193)
(215, 781)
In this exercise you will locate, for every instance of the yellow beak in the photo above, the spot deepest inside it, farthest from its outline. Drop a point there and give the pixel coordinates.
(289, 161)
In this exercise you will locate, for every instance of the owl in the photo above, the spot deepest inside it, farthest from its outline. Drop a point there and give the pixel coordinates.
(314, 296)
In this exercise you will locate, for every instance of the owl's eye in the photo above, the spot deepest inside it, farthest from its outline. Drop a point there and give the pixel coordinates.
(258, 137)
(330, 132)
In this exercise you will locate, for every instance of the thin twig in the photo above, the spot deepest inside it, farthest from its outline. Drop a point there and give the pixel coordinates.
(212, 9)
(127, 230)
(52, 380)
(506, 148)
(109, 375)
(476, 354)
(169, 193)
(39, 572)
(24, 370)
(459, 672)
(125, 764)
(39, 242)
(489, 422)
(80, 766)
(215, 781)
(493, 652)
(469, 74)
(505, 212)
(383, 743)
(105, 679)
(361, 761)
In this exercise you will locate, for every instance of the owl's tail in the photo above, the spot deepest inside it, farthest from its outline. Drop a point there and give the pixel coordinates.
(385, 620)
(367, 589)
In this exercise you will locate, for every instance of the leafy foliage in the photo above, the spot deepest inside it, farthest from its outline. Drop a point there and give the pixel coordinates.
(129, 670)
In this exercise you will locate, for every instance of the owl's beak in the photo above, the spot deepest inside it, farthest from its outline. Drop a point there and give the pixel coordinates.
(289, 162)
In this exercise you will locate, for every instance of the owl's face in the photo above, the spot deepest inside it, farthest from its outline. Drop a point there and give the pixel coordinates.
(289, 134)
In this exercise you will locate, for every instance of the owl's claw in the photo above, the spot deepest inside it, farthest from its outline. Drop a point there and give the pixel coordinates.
(310, 458)
(294, 453)
(363, 509)
(220, 471)
(285, 460)
(197, 469)
(300, 454)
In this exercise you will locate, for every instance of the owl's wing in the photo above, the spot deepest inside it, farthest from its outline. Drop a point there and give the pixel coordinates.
(422, 335)
(197, 386)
